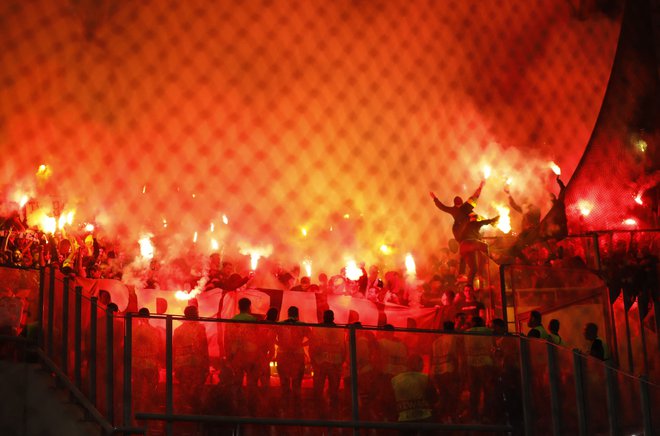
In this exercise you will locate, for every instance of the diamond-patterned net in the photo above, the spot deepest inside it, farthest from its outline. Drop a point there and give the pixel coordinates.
(336, 117)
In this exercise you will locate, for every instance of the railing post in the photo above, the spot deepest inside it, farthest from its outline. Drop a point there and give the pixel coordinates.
(555, 408)
(128, 349)
(51, 310)
(579, 393)
(505, 314)
(612, 400)
(169, 401)
(93, 331)
(40, 308)
(352, 343)
(645, 404)
(526, 383)
(65, 326)
(109, 365)
(77, 361)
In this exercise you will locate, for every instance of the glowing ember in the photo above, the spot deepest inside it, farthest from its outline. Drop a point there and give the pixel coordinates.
(225, 219)
(638, 198)
(303, 231)
(385, 249)
(214, 245)
(186, 296)
(43, 171)
(352, 270)
(487, 171)
(630, 222)
(89, 228)
(642, 145)
(255, 253)
(144, 189)
(195, 237)
(555, 168)
(193, 196)
(212, 227)
(411, 269)
(346, 216)
(164, 223)
(504, 223)
(146, 247)
(307, 265)
(585, 207)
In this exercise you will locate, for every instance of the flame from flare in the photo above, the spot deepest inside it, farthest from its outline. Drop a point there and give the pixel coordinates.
(630, 221)
(504, 223)
(89, 228)
(186, 296)
(43, 172)
(195, 237)
(48, 224)
(487, 171)
(65, 219)
(307, 265)
(212, 227)
(23, 201)
(411, 268)
(585, 207)
(303, 230)
(214, 245)
(255, 253)
(508, 181)
(353, 272)
(146, 247)
(638, 198)
(385, 249)
(144, 189)
(555, 168)
(225, 219)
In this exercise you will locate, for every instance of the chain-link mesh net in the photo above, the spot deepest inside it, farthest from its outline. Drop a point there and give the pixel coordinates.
(336, 117)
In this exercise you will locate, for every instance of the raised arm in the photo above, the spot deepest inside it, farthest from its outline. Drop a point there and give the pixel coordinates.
(439, 204)
(515, 206)
(473, 199)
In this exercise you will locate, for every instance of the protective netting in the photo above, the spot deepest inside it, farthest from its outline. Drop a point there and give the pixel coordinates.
(336, 117)
(616, 183)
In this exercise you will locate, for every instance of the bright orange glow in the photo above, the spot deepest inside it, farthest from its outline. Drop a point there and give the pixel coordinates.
(225, 219)
(186, 296)
(89, 228)
(504, 223)
(65, 219)
(48, 224)
(303, 230)
(642, 145)
(555, 168)
(346, 216)
(307, 266)
(195, 237)
(509, 181)
(23, 201)
(585, 207)
(385, 249)
(212, 227)
(638, 198)
(630, 222)
(411, 268)
(352, 270)
(144, 189)
(146, 247)
(43, 172)
(487, 171)
(214, 245)
(255, 253)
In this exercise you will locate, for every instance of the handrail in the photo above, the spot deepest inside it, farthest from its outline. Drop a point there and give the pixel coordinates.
(323, 423)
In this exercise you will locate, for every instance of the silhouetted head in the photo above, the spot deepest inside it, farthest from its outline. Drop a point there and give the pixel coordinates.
(328, 317)
(271, 315)
(553, 326)
(458, 201)
(293, 312)
(191, 312)
(244, 305)
(590, 331)
(144, 312)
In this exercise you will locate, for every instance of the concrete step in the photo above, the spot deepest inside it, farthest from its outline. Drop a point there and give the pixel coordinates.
(33, 404)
